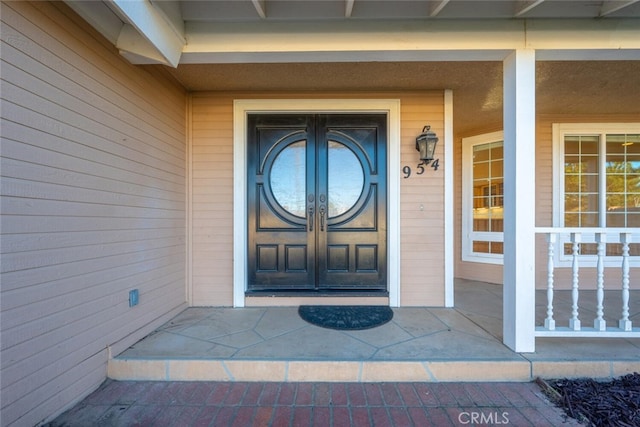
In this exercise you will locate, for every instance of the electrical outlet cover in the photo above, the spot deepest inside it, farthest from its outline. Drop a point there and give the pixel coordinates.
(133, 297)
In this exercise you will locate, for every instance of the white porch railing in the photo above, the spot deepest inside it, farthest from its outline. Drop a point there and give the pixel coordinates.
(556, 239)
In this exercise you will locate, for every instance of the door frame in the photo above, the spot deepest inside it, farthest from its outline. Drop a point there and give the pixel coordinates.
(243, 107)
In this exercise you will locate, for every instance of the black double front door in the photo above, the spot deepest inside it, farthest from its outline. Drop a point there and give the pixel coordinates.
(317, 196)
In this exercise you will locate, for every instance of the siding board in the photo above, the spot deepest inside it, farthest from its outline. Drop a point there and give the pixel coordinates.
(81, 102)
(93, 205)
(46, 305)
(16, 150)
(68, 118)
(78, 149)
(50, 37)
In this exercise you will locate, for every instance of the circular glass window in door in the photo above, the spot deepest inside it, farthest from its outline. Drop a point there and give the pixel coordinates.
(345, 180)
(287, 178)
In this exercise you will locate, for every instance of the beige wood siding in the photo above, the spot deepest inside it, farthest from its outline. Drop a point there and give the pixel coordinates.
(93, 205)
(422, 231)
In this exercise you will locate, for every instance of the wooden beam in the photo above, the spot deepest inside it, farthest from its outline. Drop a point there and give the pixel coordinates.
(348, 8)
(261, 8)
(154, 26)
(523, 7)
(610, 6)
(99, 16)
(436, 7)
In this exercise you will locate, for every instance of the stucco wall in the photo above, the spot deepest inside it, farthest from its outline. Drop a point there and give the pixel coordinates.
(93, 205)
(211, 157)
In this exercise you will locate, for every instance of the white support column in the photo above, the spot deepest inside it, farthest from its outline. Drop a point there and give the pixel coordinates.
(519, 201)
(448, 199)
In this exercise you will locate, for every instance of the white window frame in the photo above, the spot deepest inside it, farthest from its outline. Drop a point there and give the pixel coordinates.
(468, 235)
(559, 130)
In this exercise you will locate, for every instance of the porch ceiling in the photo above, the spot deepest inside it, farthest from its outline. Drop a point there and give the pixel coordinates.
(563, 87)
(380, 45)
(255, 10)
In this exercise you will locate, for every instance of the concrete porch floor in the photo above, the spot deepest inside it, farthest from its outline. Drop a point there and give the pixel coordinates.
(419, 344)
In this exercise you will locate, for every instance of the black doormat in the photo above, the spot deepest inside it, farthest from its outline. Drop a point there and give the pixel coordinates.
(346, 317)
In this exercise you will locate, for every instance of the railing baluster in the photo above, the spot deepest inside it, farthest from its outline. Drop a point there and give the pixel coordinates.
(625, 323)
(599, 323)
(549, 322)
(574, 322)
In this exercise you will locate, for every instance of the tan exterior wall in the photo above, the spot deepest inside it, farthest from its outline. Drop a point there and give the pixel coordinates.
(211, 154)
(93, 205)
(544, 208)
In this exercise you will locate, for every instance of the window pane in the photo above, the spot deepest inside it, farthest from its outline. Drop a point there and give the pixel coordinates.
(589, 144)
(346, 179)
(623, 180)
(572, 220)
(615, 220)
(487, 247)
(589, 183)
(581, 180)
(571, 203)
(288, 180)
(496, 151)
(481, 153)
(572, 164)
(589, 220)
(589, 203)
(488, 187)
(496, 248)
(581, 219)
(589, 164)
(480, 224)
(497, 168)
(480, 202)
(497, 224)
(571, 144)
(633, 202)
(615, 203)
(480, 171)
(482, 247)
(633, 217)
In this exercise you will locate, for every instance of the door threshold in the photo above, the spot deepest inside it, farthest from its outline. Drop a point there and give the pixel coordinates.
(297, 298)
(338, 293)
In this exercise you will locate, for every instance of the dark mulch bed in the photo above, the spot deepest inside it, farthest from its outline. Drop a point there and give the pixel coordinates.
(601, 404)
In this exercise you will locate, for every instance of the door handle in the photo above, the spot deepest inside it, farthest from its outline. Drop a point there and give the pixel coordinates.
(310, 216)
(322, 210)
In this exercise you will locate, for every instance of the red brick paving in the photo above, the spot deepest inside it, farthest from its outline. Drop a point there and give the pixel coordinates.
(187, 404)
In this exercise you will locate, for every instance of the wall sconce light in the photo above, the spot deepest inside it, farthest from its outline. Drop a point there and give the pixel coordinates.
(426, 144)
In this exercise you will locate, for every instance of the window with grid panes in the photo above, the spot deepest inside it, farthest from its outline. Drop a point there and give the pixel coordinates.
(601, 180)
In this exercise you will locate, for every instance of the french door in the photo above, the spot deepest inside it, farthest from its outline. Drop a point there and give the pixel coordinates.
(317, 196)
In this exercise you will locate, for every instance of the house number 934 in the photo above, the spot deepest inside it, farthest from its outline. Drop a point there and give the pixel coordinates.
(421, 168)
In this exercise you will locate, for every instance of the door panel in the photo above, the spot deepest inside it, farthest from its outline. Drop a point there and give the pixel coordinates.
(281, 253)
(317, 202)
(352, 252)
